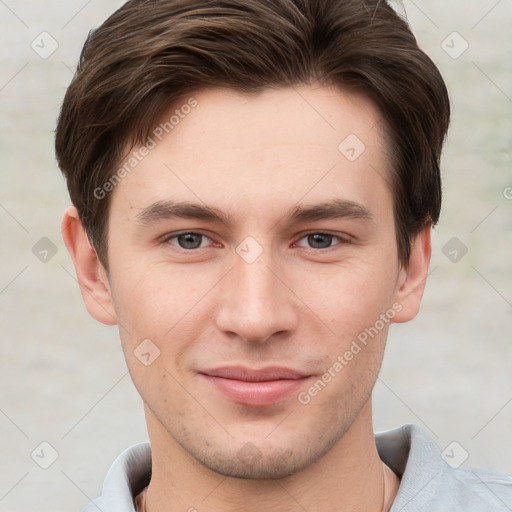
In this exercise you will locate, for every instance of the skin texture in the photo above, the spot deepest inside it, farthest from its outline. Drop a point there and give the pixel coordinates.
(254, 159)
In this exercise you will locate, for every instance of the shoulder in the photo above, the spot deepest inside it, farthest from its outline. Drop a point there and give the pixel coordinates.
(429, 483)
(480, 484)
(128, 475)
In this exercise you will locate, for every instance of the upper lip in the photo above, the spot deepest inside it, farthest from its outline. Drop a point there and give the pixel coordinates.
(254, 375)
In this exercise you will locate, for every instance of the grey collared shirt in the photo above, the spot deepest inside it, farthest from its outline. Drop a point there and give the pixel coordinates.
(428, 483)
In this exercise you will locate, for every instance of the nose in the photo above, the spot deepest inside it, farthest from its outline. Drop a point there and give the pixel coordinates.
(255, 303)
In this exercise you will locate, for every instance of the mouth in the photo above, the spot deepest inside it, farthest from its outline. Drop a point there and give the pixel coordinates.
(255, 387)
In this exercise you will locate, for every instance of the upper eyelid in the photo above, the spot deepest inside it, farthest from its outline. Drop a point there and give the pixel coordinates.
(301, 235)
(342, 237)
(167, 239)
(168, 236)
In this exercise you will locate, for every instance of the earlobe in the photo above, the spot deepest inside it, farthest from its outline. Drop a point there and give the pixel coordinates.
(412, 280)
(90, 273)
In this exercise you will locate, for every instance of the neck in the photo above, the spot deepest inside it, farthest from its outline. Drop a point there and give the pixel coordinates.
(350, 477)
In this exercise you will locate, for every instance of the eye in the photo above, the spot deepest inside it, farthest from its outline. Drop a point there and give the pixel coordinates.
(189, 240)
(319, 240)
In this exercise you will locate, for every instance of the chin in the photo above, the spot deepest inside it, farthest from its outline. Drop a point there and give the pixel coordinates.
(264, 461)
(250, 463)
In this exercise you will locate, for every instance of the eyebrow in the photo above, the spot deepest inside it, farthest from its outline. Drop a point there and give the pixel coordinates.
(335, 209)
(165, 210)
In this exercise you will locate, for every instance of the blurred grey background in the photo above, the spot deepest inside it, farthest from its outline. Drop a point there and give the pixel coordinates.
(63, 378)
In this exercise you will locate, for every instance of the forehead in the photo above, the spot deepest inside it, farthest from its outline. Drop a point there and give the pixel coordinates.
(302, 116)
(278, 145)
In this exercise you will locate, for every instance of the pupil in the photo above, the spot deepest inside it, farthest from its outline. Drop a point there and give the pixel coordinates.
(190, 241)
(320, 240)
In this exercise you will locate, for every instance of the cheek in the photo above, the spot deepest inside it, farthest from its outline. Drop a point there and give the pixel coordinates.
(343, 390)
(153, 299)
(162, 313)
(350, 296)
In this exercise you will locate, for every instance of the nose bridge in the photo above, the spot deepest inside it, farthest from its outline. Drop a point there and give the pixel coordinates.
(256, 284)
(255, 304)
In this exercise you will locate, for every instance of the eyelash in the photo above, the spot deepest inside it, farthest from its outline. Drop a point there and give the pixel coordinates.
(341, 240)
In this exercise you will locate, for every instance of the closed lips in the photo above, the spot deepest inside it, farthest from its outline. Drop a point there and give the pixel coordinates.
(258, 375)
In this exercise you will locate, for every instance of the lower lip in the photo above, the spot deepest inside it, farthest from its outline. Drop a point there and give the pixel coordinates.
(256, 394)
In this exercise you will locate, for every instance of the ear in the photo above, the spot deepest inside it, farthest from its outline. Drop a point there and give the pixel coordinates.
(412, 280)
(90, 273)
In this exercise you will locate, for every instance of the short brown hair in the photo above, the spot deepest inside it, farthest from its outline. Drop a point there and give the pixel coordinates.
(150, 53)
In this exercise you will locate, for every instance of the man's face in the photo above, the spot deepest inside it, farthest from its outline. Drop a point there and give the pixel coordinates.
(252, 250)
